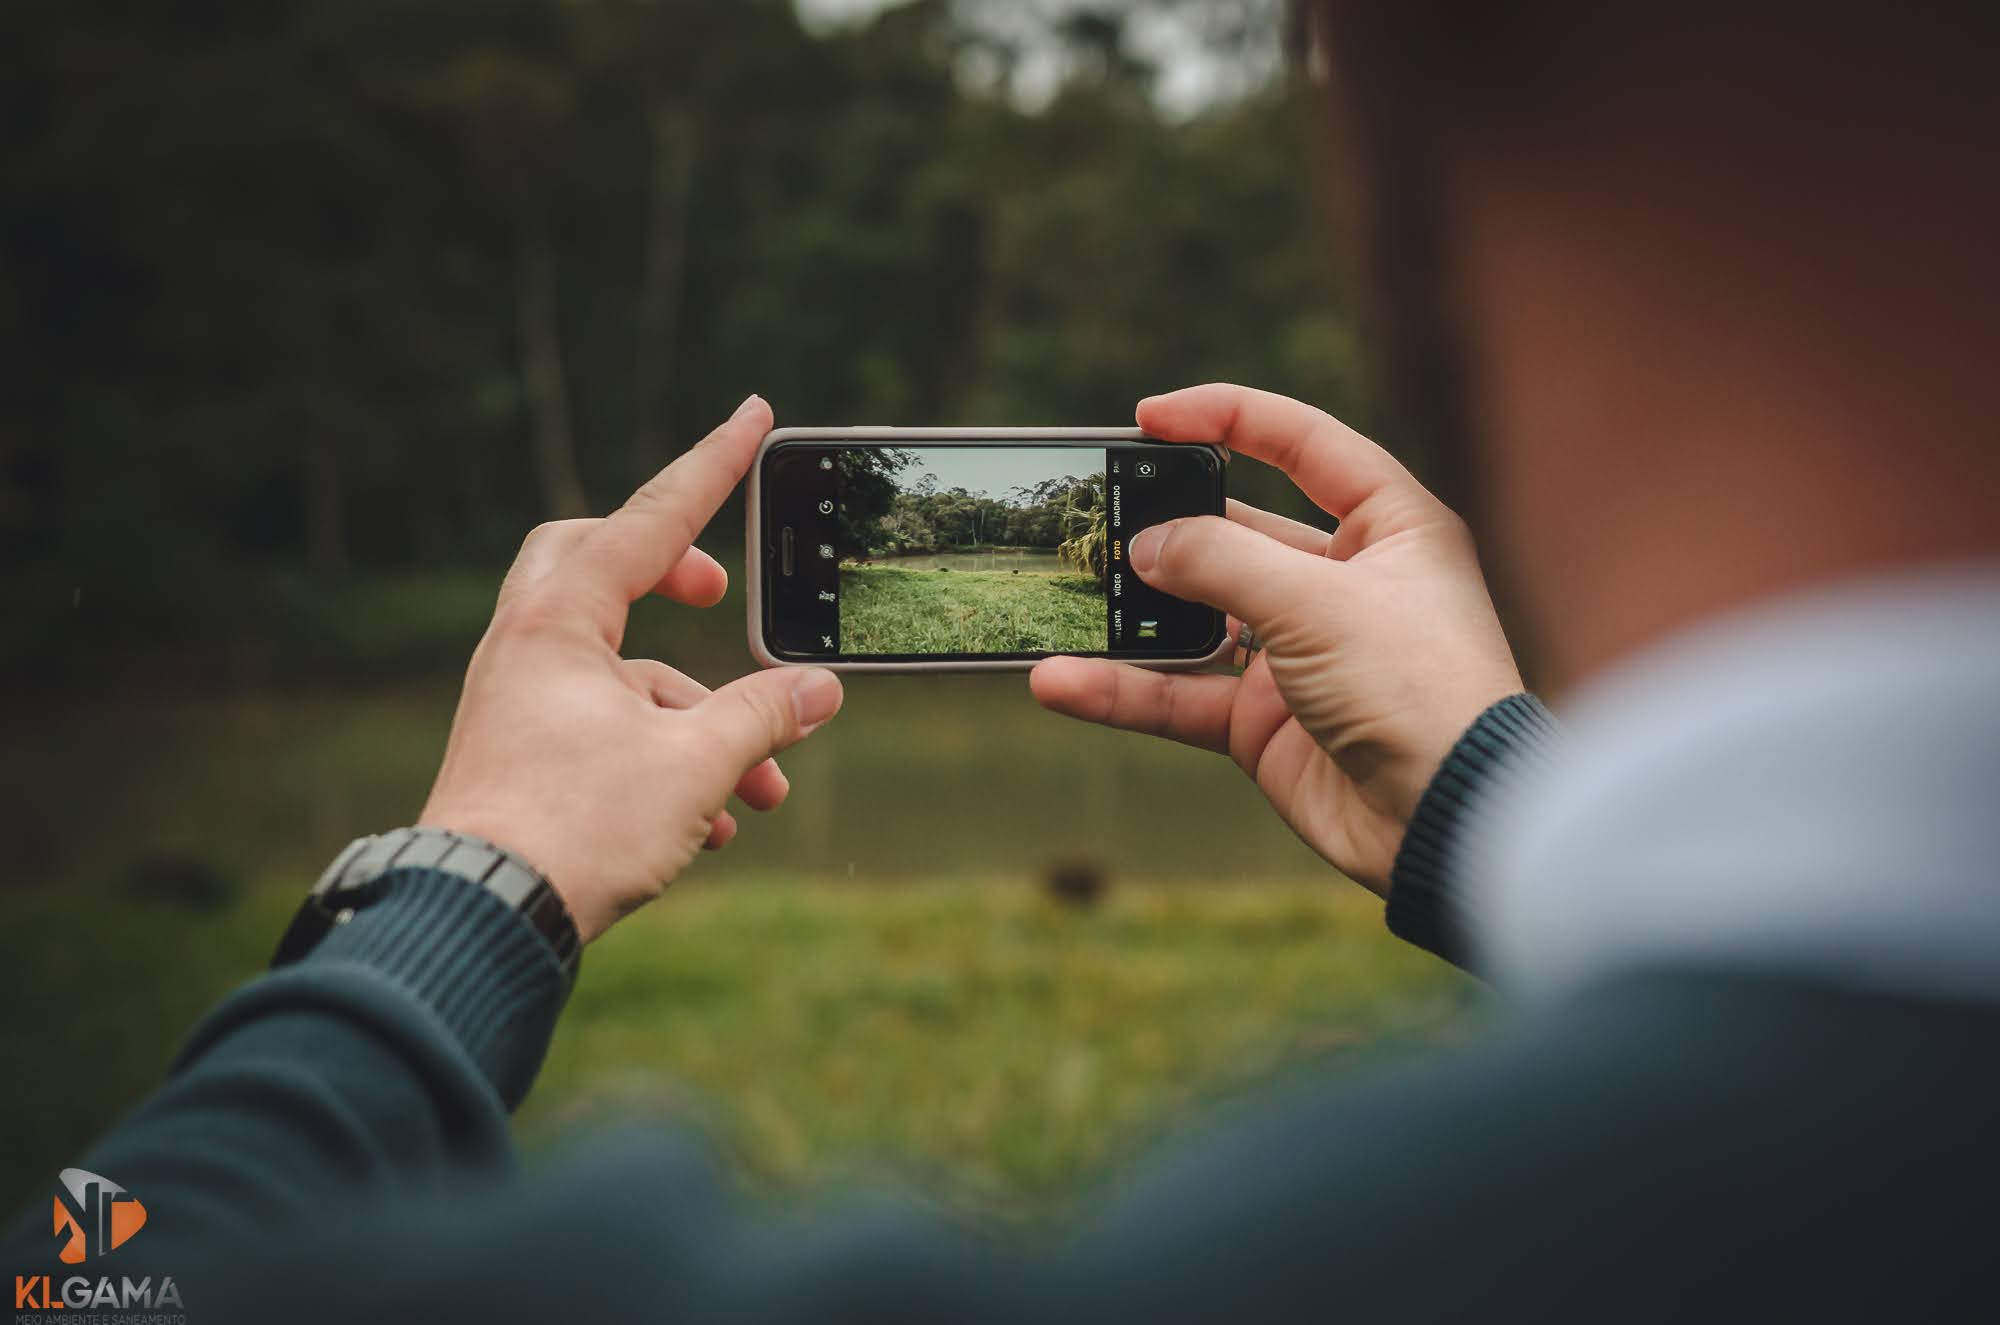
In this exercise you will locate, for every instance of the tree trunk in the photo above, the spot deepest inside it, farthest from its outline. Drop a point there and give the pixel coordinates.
(658, 332)
(543, 381)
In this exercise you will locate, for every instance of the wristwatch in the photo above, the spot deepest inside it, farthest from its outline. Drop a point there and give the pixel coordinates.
(358, 878)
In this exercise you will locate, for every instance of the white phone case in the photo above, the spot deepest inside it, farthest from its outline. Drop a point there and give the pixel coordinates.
(754, 519)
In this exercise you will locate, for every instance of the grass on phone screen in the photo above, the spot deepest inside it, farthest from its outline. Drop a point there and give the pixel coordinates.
(885, 609)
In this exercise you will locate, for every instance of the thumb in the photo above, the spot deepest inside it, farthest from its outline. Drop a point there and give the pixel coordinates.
(1215, 561)
(756, 716)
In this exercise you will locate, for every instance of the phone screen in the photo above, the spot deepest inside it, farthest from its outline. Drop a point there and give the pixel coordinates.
(954, 550)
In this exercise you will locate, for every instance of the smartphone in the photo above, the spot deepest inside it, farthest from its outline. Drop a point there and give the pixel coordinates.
(936, 549)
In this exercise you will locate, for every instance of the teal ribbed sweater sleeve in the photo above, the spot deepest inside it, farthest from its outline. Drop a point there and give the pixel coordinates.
(383, 1064)
(1430, 904)
(469, 963)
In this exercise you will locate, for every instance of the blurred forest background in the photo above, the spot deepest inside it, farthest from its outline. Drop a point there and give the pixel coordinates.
(305, 294)
(310, 308)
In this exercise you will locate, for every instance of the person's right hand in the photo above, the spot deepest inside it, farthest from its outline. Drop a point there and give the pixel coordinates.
(1381, 644)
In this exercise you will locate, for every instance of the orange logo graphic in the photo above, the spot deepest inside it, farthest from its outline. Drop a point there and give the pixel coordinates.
(97, 1214)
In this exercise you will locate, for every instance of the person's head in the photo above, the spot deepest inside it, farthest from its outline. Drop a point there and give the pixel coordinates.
(1703, 293)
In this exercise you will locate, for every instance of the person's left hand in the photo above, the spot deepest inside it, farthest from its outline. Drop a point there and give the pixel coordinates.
(608, 773)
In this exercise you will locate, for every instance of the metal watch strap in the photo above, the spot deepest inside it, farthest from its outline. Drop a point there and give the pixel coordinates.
(355, 881)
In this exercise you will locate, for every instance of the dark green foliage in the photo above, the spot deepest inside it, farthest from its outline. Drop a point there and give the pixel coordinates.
(919, 517)
(867, 493)
(339, 290)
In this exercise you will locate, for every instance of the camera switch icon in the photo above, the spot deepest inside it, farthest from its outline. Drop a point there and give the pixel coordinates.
(826, 506)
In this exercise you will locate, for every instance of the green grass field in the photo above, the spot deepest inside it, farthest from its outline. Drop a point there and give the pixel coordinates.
(976, 1037)
(885, 609)
(869, 979)
(979, 1036)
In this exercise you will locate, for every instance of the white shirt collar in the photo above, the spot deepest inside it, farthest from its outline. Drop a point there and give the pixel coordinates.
(1811, 789)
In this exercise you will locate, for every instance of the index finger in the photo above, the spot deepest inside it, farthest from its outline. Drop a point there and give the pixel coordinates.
(1336, 466)
(1191, 709)
(621, 560)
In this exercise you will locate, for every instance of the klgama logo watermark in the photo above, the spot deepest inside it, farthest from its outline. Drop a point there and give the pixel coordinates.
(94, 1216)
(98, 1214)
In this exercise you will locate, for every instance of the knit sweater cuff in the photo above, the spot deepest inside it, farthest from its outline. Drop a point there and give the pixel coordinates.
(1427, 892)
(474, 963)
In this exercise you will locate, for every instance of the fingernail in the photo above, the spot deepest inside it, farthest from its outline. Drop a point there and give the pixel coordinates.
(1145, 549)
(815, 697)
(750, 402)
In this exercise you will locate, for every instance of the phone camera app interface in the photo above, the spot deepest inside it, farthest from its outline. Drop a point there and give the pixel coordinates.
(973, 550)
(907, 552)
